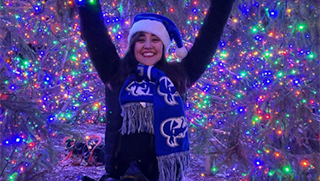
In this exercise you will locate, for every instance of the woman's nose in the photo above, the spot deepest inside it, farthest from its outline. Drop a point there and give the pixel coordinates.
(148, 44)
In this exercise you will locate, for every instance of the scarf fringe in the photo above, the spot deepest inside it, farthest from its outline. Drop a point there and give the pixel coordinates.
(137, 119)
(173, 167)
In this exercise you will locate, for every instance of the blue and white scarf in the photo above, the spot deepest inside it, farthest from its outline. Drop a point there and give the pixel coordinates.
(150, 103)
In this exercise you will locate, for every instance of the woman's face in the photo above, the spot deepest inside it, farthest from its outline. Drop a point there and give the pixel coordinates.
(148, 49)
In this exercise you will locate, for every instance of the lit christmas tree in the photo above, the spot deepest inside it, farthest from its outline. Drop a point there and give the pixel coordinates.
(256, 109)
(254, 113)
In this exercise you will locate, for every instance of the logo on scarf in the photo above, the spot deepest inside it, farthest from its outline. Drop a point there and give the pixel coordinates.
(139, 88)
(174, 128)
(166, 88)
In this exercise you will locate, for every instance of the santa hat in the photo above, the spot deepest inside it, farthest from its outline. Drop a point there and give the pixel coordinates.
(160, 26)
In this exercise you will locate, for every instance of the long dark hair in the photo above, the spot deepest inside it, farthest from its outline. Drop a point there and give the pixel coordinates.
(173, 70)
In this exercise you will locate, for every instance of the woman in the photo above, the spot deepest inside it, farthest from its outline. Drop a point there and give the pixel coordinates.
(146, 130)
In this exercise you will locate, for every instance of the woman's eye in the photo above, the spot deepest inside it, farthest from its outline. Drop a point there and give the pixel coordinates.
(140, 40)
(155, 39)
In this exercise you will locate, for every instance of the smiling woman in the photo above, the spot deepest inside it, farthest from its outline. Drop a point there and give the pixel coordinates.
(148, 49)
(147, 131)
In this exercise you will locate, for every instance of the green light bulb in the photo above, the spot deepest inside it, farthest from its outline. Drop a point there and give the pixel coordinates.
(302, 26)
(311, 56)
(287, 169)
(280, 74)
(214, 169)
(271, 173)
(254, 29)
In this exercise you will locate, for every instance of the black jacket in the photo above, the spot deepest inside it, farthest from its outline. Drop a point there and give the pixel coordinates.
(107, 62)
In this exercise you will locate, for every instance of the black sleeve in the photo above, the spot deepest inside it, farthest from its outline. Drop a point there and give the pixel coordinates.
(98, 43)
(205, 45)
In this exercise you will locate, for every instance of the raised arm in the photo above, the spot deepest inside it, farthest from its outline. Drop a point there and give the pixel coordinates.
(99, 45)
(205, 45)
